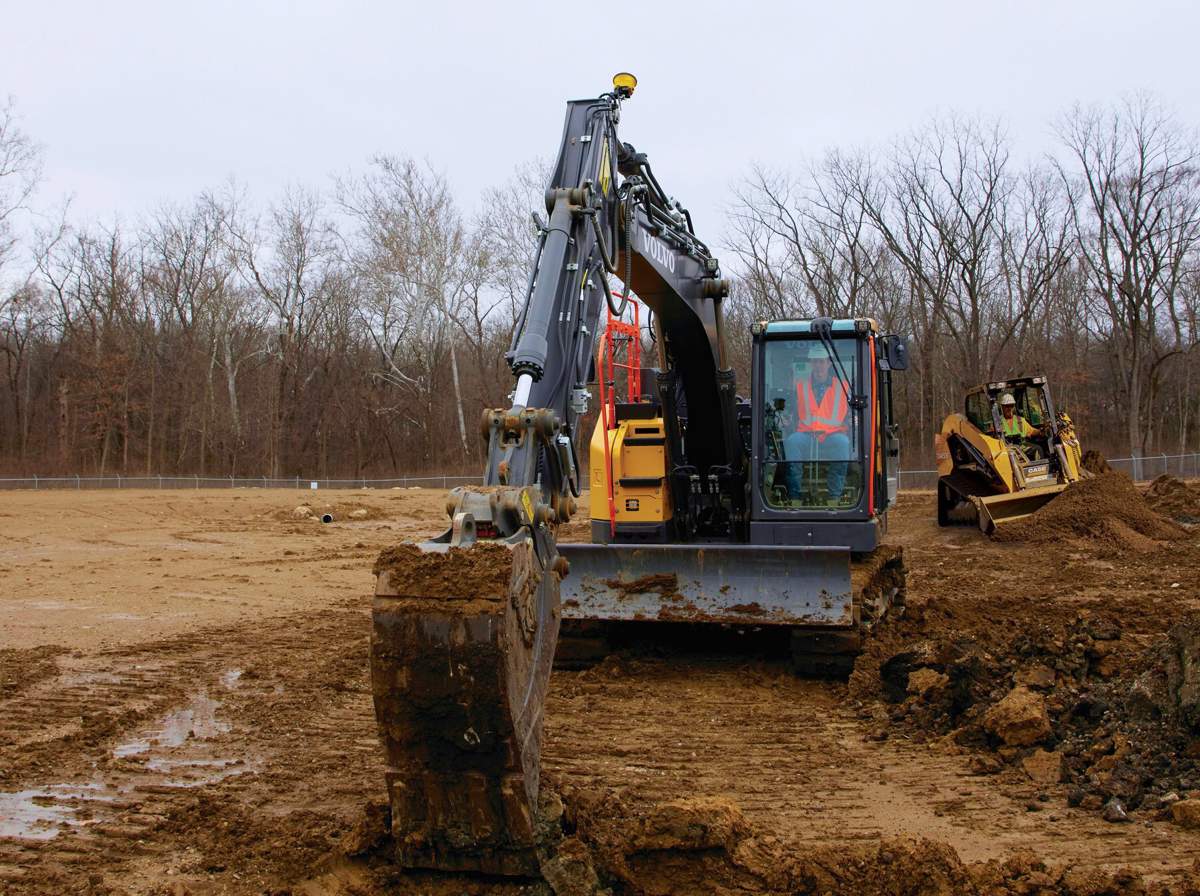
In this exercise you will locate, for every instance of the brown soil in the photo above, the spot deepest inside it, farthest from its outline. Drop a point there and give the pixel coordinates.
(1175, 499)
(186, 709)
(666, 584)
(706, 845)
(1106, 508)
(1095, 462)
(21, 668)
(467, 580)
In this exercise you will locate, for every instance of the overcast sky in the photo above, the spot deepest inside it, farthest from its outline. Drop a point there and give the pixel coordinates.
(137, 103)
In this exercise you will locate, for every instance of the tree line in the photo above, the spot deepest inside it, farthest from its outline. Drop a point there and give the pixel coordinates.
(358, 329)
(1084, 266)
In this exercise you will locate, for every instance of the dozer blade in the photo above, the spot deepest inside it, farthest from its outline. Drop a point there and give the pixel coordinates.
(996, 510)
(461, 649)
(738, 584)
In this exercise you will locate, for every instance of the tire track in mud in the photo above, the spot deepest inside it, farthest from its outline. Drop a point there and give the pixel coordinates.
(254, 788)
(795, 758)
(186, 758)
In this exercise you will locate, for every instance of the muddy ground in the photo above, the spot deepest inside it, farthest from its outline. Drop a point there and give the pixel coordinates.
(184, 709)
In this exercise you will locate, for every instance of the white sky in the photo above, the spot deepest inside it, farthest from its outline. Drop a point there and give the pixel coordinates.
(137, 103)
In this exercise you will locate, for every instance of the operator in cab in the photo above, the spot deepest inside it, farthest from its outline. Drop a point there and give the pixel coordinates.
(1012, 424)
(822, 422)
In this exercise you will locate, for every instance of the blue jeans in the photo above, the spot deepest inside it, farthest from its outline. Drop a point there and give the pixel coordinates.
(804, 446)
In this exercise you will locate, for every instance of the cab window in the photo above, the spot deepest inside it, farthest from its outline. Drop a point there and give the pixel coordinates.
(979, 411)
(1031, 406)
(810, 431)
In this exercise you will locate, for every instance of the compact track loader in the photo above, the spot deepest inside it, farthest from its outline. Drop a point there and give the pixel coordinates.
(994, 473)
(707, 507)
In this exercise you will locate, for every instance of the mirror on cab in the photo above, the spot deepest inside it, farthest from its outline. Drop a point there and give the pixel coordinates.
(895, 352)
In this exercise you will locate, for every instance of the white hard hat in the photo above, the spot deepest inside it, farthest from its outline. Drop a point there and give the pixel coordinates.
(1007, 398)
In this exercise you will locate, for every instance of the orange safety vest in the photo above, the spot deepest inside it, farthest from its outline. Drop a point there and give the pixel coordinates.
(824, 416)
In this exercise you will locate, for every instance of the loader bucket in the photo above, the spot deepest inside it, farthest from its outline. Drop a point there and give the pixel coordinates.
(996, 510)
(731, 584)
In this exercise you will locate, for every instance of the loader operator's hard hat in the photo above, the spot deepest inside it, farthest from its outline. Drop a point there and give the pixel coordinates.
(1007, 399)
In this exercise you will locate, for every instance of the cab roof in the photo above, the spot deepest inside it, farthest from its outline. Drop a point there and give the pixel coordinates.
(997, 386)
(803, 326)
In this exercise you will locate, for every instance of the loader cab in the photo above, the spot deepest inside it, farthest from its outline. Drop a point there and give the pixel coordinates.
(1049, 455)
(1032, 395)
(823, 445)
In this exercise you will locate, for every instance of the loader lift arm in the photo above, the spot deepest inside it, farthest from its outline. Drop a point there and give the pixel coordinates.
(465, 625)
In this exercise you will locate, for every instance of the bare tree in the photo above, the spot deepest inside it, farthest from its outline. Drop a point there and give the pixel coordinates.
(20, 174)
(1133, 179)
(292, 262)
(414, 261)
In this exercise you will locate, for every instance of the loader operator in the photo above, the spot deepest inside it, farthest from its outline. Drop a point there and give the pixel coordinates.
(821, 432)
(1012, 425)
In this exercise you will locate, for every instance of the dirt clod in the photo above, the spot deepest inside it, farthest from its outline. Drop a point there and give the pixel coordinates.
(1186, 814)
(1020, 719)
(1095, 462)
(1114, 811)
(1043, 767)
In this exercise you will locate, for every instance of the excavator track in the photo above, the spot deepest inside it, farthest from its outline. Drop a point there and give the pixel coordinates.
(878, 583)
(461, 649)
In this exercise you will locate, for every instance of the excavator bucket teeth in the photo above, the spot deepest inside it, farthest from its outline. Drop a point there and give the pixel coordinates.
(735, 584)
(461, 649)
(996, 510)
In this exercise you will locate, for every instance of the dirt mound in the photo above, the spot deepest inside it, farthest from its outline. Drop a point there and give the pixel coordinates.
(1095, 462)
(341, 511)
(706, 846)
(1175, 499)
(1062, 702)
(1106, 509)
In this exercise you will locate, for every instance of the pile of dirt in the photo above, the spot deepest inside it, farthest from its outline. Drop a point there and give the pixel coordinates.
(1067, 701)
(1096, 463)
(1175, 499)
(1106, 509)
(341, 511)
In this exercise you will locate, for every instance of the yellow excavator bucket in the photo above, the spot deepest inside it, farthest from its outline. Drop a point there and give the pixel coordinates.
(997, 510)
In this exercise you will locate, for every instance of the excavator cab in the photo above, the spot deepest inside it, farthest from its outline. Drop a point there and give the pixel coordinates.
(824, 449)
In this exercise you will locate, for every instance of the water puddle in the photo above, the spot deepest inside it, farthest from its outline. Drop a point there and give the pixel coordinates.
(41, 814)
(75, 678)
(198, 720)
(176, 750)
